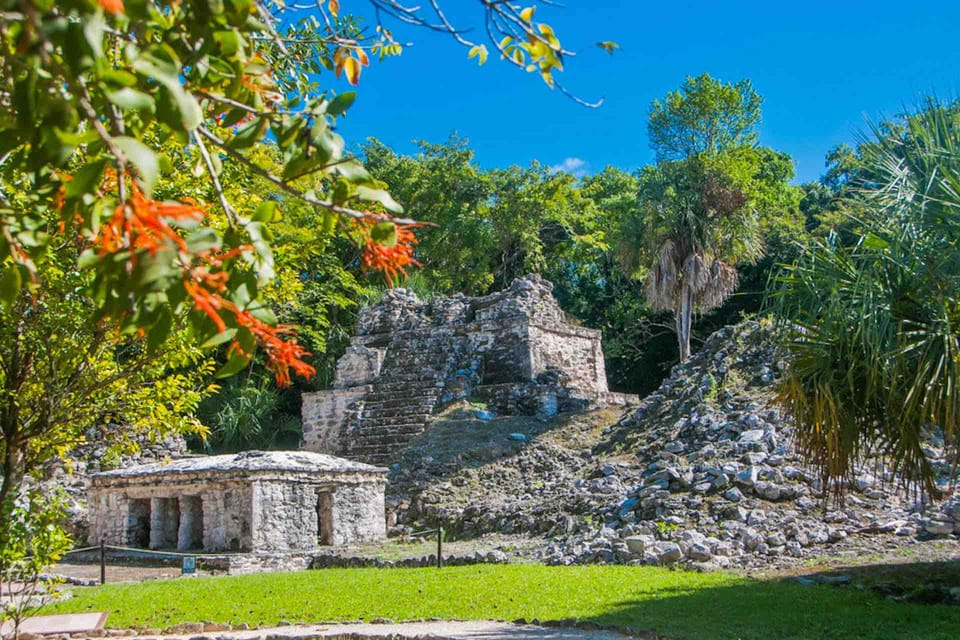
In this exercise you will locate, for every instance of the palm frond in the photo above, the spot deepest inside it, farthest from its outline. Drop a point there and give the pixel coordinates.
(873, 329)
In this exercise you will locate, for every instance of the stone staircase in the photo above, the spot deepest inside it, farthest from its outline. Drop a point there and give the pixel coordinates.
(402, 400)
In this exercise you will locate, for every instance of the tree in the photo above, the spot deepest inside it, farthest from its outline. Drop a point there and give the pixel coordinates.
(542, 224)
(109, 293)
(490, 226)
(697, 224)
(706, 116)
(37, 542)
(706, 205)
(872, 328)
(63, 370)
(444, 185)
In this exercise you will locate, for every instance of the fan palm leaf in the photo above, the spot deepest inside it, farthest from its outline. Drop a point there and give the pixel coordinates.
(873, 330)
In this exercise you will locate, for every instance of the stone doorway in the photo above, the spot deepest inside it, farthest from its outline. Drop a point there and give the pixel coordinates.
(324, 518)
(138, 523)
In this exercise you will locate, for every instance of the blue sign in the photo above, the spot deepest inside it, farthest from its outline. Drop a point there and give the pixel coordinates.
(189, 566)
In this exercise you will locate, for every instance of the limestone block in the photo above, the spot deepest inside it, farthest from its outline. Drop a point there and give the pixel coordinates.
(358, 366)
(324, 415)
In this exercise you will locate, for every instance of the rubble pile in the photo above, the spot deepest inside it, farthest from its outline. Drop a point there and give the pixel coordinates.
(703, 471)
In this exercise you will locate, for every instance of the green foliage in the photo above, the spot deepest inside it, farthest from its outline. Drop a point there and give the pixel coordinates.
(493, 226)
(34, 542)
(706, 116)
(247, 414)
(709, 204)
(665, 527)
(872, 327)
(686, 605)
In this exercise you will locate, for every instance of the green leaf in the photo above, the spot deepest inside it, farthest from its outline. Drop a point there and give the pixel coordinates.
(229, 41)
(234, 365)
(203, 239)
(266, 211)
(161, 71)
(132, 100)
(93, 28)
(220, 338)
(379, 195)
(85, 180)
(354, 172)
(341, 103)
(249, 134)
(873, 241)
(160, 330)
(340, 192)
(10, 283)
(143, 158)
(384, 233)
(264, 314)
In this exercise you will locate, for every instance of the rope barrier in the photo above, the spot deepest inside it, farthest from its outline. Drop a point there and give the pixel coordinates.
(82, 550)
(102, 548)
(169, 554)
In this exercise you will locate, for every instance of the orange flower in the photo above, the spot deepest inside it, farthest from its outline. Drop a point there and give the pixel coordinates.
(394, 260)
(112, 6)
(282, 355)
(144, 224)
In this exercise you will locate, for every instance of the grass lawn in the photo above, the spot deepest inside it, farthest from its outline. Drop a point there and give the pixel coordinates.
(678, 604)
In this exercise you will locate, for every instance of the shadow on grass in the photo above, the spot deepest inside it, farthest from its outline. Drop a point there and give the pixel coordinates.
(786, 609)
(934, 582)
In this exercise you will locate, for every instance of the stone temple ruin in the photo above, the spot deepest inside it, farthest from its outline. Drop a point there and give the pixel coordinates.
(514, 349)
(255, 501)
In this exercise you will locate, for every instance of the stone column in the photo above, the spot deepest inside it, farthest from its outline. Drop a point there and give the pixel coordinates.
(164, 521)
(214, 534)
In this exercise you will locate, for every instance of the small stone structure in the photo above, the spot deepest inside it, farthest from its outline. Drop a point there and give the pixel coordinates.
(278, 501)
(514, 349)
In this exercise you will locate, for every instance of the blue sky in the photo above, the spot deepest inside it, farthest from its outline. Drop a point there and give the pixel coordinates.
(822, 68)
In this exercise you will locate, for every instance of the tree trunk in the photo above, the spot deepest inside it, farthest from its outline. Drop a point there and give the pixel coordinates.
(12, 468)
(683, 319)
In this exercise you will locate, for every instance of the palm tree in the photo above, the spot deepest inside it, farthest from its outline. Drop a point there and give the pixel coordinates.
(247, 415)
(873, 328)
(695, 225)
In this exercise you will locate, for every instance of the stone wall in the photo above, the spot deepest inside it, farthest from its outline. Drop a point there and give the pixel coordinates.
(514, 348)
(326, 414)
(360, 514)
(253, 501)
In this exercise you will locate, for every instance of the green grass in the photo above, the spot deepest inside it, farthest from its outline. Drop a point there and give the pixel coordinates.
(682, 605)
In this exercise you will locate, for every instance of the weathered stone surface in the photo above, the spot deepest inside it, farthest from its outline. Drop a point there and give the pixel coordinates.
(95, 454)
(675, 470)
(514, 349)
(252, 501)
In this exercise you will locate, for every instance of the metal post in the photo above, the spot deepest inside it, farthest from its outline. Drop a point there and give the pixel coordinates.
(439, 546)
(103, 564)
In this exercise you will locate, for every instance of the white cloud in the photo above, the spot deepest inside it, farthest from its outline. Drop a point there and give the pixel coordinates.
(576, 166)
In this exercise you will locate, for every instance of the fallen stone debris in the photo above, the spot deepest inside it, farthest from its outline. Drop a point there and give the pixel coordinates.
(702, 472)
